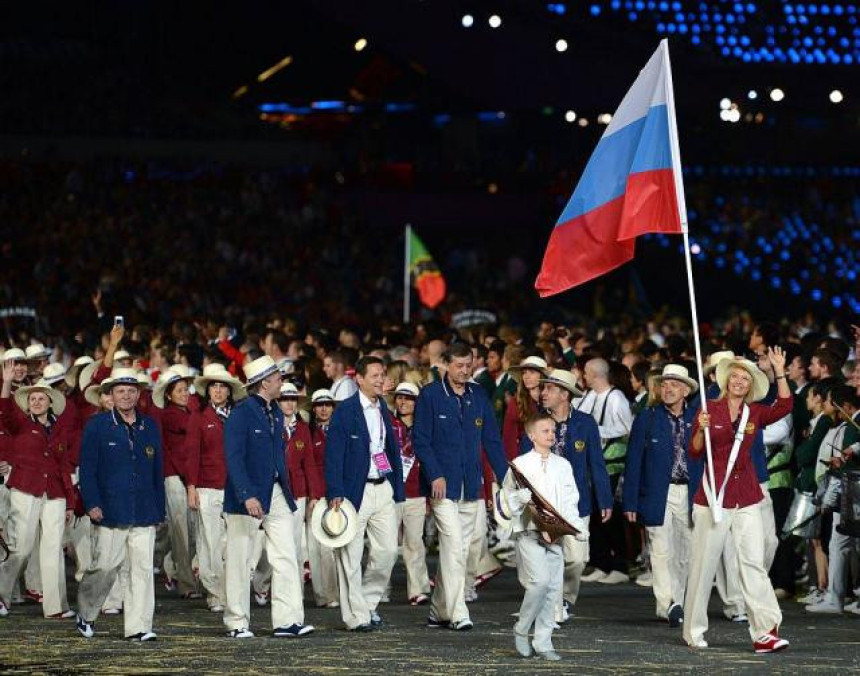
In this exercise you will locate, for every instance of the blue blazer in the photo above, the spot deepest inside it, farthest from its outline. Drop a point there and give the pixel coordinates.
(448, 441)
(648, 471)
(584, 452)
(254, 454)
(121, 475)
(758, 450)
(347, 453)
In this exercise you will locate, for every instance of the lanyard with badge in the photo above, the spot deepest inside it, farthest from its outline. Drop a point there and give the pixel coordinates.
(383, 466)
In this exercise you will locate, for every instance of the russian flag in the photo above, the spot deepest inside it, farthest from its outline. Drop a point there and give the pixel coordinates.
(631, 186)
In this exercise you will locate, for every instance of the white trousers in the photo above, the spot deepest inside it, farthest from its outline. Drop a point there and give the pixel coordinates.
(263, 569)
(768, 522)
(29, 516)
(278, 525)
(179, 531)
(211, 543)
(728, 579)
(410, 515)
(111, 547)
(455, 521)
(839, 553)
(576, 553)
(359, 596)
(670, 551)
(480, 561)
(709, 539)
(540, 569)
(323, 570)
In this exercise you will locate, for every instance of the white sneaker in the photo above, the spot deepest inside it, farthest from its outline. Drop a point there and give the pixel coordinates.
(261, 599)
(853, 608)
(812, 596)
(594, 576)
(216, 609)
(646, 579)
(825, 607)
(471, 595)
(240, 633)
(615, 577)
(698, 643)
(4, 611)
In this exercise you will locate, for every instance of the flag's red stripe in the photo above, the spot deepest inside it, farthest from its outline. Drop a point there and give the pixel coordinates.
(431, 289)
(600, 240)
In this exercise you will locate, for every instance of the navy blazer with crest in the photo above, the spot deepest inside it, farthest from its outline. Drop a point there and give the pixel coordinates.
(254, 454)
(347, 453)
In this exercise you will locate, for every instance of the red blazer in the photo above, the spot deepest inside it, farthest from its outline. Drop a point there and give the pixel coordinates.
(316, 467)
(404, 441)
(304, 480)
(174, 429)
(40, 461)
(512, 429)
(742, 489)
(204, 448)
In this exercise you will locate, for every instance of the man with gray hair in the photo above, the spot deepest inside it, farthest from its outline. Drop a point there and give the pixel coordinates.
(611, 410)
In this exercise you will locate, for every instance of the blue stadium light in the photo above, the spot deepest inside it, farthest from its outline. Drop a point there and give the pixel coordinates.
(399, 107)
(775, 282)
(595, 10)
(836, 301)
(816, 294)
(557, 8)
(328, 105)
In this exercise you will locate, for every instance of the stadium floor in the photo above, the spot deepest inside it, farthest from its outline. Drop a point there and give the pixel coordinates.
(614, 632)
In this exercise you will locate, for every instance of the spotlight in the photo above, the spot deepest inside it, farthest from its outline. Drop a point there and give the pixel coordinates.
(570, 116)
(583, 122)
(495, 21)
(734, 116)
(561, 45)
(360, 44)
(752, 95)
(777, 95)
(468, 21)
(836, 96)
(725, 104)
(605, 118)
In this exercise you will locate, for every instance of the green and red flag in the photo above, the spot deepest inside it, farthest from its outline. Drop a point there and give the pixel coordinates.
(424, 274)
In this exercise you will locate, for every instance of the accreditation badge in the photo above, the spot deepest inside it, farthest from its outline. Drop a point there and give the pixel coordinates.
(300, 445)
(150, 452)
(479, 422)
(579, 445)
(750, 428)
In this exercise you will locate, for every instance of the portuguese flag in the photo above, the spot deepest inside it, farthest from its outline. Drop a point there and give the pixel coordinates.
(423, 273)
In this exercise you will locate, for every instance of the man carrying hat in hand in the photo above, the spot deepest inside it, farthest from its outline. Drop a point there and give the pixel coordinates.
(363, 466)
(657, 480)
(258, 495)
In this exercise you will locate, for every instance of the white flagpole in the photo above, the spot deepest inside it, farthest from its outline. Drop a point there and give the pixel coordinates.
(407, 289)
(710, 478)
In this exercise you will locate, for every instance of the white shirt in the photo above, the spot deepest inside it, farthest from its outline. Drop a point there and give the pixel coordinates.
(375, 428)
(831, 445)
(343, 388)
(553, 478)
(617, 420)
(779, 433)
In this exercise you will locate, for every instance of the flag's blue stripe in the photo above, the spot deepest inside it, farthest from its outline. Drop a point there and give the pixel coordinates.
(643, 145)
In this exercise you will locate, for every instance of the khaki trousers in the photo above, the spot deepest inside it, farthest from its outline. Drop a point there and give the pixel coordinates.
(111, 547)
(278, 525)
(80, 534)
(728, 580)
(30, 516)
(455, 521)
(480, 561)
(359, 596)
(709, 539)
(211, 542)
(540, 569)
(323, 570)
(263, 570)
(768, 522)
(180, 533)
(411, 514)
(670, 551)
(575, 557)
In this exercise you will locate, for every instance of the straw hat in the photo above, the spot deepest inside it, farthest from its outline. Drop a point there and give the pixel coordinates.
(120, 376)
(563, 379)
(334, 528)
(54, 373)
(536, 363)
(216, 373)
(760, 384)
(144, 379)
(406, 390)
(119, 355)
(75, 369)
(93, 393)
(286, 366)
(288, 390)
(322, 396)
(15, 354)
(679, 373)
(258, 369)
(715, 359)
(88, 372)
(165, 380)
(502, 511)
(37, 351)
(58, 401)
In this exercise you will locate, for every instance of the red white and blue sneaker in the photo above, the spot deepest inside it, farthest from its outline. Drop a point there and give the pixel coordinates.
(770, 642)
